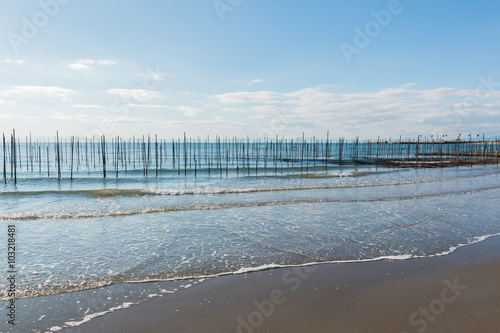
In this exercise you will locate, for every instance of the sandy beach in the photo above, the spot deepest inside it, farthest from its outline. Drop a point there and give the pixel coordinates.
(459, 292)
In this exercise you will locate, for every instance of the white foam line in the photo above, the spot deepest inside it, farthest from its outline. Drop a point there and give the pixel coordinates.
(89, 317)
(170, 209)
(244, 270)
(210, 191)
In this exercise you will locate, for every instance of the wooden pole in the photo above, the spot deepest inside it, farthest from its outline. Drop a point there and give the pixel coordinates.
(4, 161)
(15, 156)
(326, 151)
(72, 149)
(103, 152)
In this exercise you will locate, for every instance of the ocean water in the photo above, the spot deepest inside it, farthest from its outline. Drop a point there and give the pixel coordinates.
(73, 236)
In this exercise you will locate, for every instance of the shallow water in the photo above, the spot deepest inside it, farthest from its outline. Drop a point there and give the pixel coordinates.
(89, 232)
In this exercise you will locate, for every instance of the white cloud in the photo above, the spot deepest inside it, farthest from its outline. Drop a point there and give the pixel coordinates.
(260, 116)
(310, 96)
(140, 95)
(105, 62)
(90, 106)
(232, 110)
(81, 64)
(126, 119)
(255, 81)
(400, 94)
(78, 66)
(149, 106)
(440, 93)
(248, 83)
(370, 113)
(247, 97)
(155, 75)
(86, 64)
(206, 125)
(392, 111)
(79, 118)
(390, 94)
(189, 110)
(266, 108)
(37, 90)
(14, 61)
(14, 116)
(4, 102)
(108, 118)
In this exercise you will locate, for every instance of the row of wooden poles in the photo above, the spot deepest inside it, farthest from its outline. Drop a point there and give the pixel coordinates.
(218, 155)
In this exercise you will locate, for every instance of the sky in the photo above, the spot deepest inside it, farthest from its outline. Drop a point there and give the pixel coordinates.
(250, 67)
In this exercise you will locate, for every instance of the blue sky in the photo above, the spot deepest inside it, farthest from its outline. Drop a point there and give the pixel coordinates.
(260, 67)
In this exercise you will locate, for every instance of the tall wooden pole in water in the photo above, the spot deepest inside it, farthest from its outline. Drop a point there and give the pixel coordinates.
(173, 154)
(248, 153)
(185, 155)
(15, 156)
(117, 153)
(227, 158)
(195, 166)
(40, 160)
(48, 162)
(31, 154)
(302, 154)
(281, 154)
(103, 152)
(326, 151)
(341, 148)
(233, 150)
(72, 149)
(58, 157)
(4, 162)
(156, 154)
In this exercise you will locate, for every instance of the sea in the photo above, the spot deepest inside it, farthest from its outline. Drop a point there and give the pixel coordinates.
(81, 240)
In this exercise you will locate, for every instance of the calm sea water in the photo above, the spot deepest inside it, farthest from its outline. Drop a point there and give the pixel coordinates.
(81, 234)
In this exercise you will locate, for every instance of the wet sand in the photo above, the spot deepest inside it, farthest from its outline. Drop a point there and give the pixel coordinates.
(459, 292)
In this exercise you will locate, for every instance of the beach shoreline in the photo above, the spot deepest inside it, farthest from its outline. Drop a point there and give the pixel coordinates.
(459, 292)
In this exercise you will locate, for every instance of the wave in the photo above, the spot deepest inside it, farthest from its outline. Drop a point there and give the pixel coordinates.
(170, 209)
(91, 193)
(243, 270)
(211, 191)
(134, 175)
